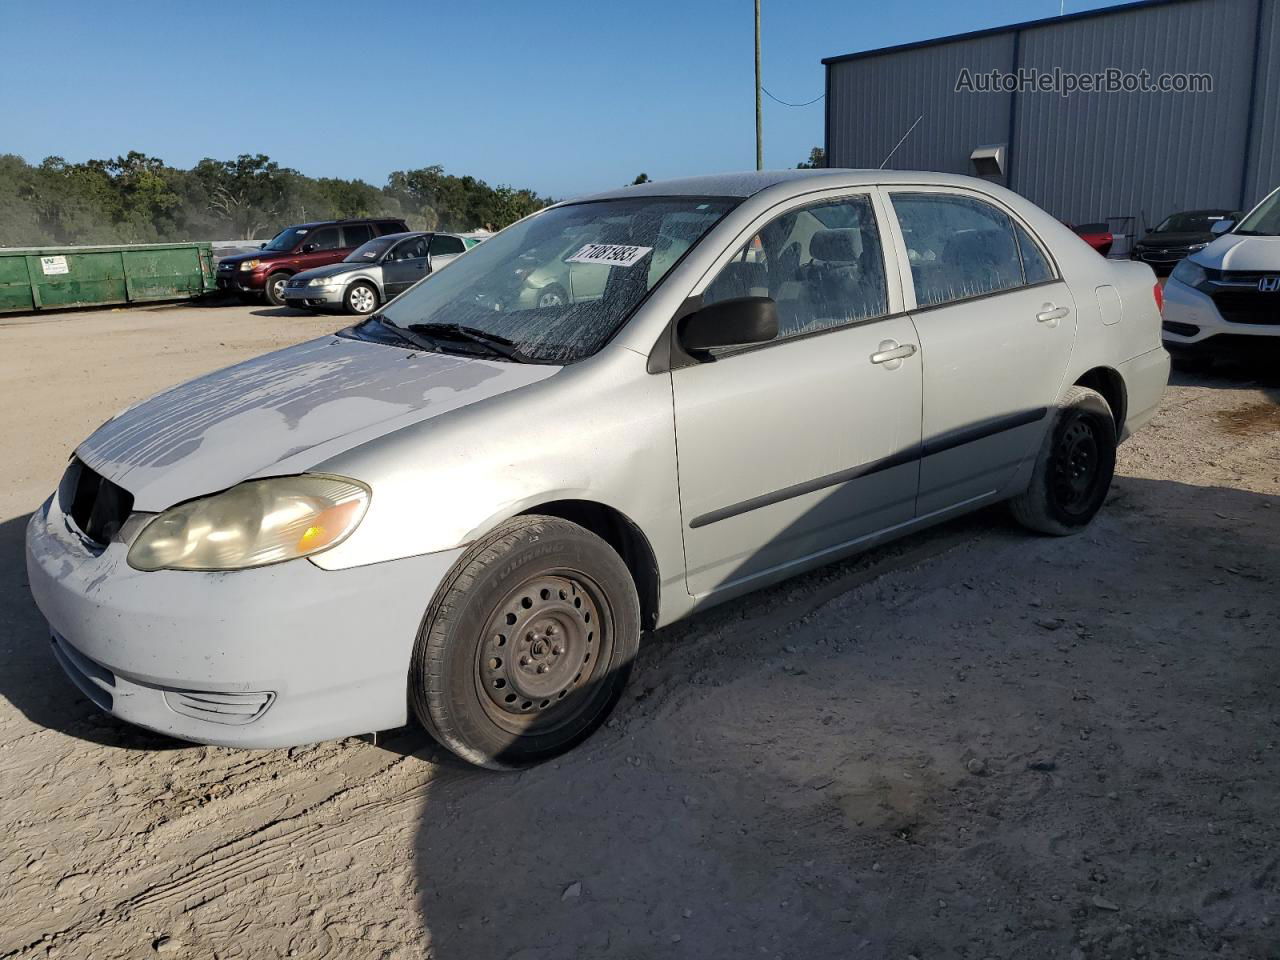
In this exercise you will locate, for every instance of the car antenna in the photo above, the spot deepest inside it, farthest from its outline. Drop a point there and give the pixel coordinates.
(900, 142)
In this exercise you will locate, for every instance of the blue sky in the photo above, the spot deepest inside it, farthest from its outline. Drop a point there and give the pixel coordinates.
(564, 97)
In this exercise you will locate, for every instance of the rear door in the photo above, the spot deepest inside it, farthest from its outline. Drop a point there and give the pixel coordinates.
(793, 450)
(996, 326)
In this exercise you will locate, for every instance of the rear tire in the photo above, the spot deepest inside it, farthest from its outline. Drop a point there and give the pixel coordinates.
(527, 645)
(1074, 468)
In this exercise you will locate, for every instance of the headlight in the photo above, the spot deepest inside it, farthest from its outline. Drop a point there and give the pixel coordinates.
(1197, 246)
(322, 281)
(247, 265)
(252, 524)
(1192, 274)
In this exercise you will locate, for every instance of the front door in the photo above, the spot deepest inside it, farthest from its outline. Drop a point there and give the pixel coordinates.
(793, 450)
(996, 326)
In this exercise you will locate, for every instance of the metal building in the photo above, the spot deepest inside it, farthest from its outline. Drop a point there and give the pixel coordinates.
(1087, 156)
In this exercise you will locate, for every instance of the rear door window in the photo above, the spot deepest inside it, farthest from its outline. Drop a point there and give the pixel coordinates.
(444, 245)
(355, 234)
(959, 247)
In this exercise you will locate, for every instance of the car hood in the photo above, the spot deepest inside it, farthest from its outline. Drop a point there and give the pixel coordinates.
(1235, 252)
(333, 269)
(284, 412)
(1175, 239)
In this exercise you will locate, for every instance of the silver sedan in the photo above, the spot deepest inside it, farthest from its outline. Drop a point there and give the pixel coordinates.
(373, 273)
(483, 500)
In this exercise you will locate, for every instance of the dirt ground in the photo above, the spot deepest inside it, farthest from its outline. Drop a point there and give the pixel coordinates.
(973, 743)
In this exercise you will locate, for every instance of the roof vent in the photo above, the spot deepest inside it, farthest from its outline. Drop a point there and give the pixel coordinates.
(990, 161)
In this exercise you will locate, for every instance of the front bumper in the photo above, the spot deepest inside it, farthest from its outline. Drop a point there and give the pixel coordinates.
(237, 281)
(1191, 317)
(271, 657)
(330, 296)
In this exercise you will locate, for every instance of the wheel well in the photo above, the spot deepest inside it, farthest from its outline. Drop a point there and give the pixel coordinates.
(615, 529)
(1111, 385)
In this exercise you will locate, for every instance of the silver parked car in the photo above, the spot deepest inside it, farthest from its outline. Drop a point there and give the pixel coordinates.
(373, 273)
(469, 507)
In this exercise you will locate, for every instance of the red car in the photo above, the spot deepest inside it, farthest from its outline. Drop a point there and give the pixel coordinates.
(262, 273)
(1096, 235)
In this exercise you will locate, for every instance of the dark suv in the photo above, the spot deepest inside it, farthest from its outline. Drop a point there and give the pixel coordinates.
(264, 272)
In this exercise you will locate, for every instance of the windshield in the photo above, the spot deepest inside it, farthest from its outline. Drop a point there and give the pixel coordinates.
(559, 284)
(369, 251)
(287, 239)
(1264, 221)
(1198, 221)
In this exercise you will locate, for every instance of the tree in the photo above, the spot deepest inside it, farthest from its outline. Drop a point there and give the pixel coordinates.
(817, 160)
(251, 192)
(643, 178)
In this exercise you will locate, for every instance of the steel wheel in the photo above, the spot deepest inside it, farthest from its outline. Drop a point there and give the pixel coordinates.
(1075, 467)
(547, 639)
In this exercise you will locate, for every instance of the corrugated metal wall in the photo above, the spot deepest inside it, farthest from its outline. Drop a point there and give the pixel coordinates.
(1264, 154)
(1089, 156)
(873, 102)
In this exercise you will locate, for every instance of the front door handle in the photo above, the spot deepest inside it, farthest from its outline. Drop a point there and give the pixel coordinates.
(891, 352)
(1051, 315)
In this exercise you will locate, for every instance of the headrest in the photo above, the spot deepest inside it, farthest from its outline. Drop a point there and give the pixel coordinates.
(834, 246)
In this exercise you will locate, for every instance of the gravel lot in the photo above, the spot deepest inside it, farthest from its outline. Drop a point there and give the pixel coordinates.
(973, 743)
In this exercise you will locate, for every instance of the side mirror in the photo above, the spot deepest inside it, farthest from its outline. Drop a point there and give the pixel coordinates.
(308, 248)
(730, 323)
(1221, 227)
(262, 246)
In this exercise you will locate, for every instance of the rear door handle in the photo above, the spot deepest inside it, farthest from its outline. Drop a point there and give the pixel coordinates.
(1051, 314)
(890, 351)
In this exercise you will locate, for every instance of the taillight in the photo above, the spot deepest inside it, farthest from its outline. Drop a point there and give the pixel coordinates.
(1158, 292)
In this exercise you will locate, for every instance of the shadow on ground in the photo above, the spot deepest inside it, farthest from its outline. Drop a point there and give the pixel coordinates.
(1022, 748)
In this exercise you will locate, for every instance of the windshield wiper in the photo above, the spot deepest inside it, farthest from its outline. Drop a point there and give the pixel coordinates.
(495, 343)
(424, 343)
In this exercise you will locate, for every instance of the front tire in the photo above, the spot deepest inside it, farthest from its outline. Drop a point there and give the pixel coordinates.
(528, 644)
(1074, 469)
(274, 289)
(361, 298)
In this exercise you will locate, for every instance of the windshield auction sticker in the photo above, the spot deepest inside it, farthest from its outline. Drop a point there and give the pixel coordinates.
(609, 254)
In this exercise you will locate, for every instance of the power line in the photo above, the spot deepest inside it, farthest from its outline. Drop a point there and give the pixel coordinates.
(786, 104)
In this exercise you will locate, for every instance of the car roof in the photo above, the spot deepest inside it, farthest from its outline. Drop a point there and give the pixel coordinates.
(401, 236)
(338, 223)
(751, 182)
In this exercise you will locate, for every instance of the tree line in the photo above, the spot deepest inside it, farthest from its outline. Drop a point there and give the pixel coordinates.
(136, 198)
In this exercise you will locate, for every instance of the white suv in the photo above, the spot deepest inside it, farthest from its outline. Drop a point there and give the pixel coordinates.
(1229, 289)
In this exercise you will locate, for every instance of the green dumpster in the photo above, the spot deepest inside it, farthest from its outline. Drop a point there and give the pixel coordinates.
(49, 278)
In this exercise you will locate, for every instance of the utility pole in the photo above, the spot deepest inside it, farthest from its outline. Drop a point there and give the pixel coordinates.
(759, 120)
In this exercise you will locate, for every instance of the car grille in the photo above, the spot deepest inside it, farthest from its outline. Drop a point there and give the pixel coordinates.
(296, 283)
(1248, 306)
(98, 507)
